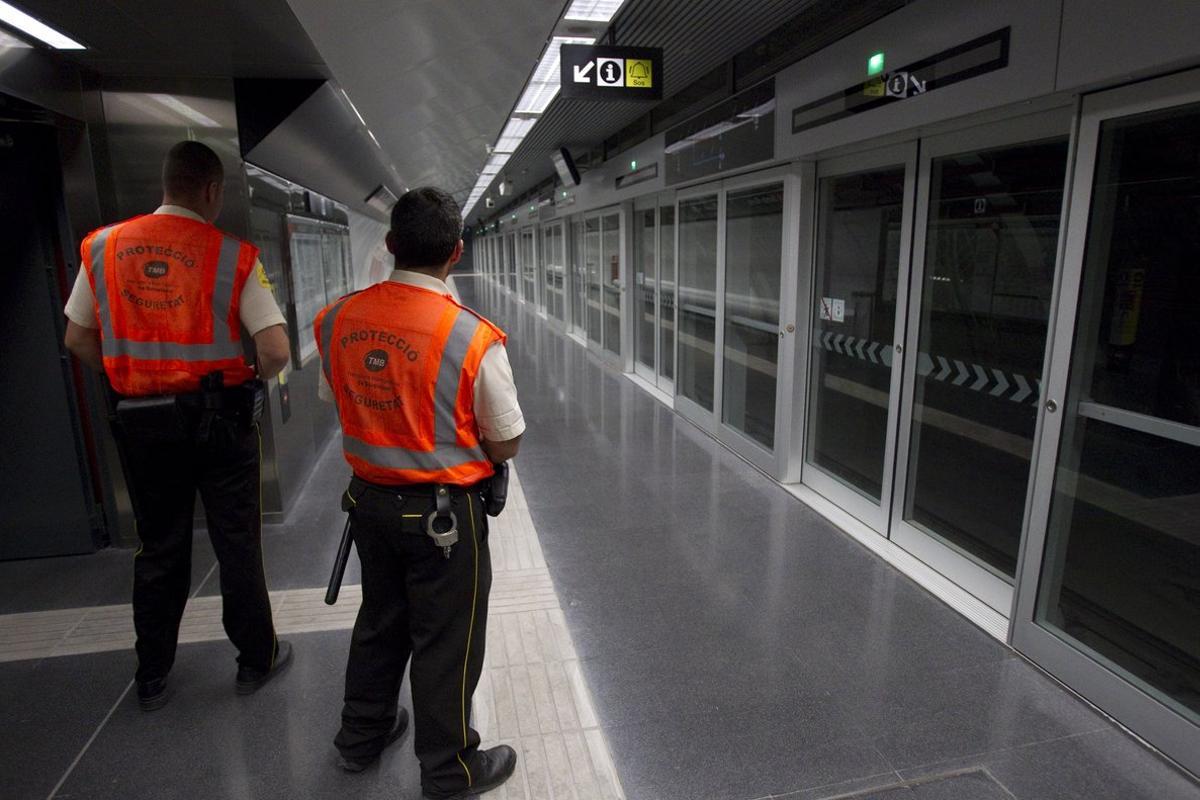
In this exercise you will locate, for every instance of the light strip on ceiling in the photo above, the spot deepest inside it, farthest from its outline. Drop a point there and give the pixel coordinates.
(593, 10)
(16, 18)
(516, 130)
(544, 84)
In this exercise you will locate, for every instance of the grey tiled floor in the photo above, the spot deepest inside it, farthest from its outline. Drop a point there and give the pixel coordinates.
(736, 646)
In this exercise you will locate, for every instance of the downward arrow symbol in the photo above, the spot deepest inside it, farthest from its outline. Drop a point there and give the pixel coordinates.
(582, 73)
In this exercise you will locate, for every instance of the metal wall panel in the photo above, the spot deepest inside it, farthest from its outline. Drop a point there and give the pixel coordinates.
(915, 32)
(1111, 41)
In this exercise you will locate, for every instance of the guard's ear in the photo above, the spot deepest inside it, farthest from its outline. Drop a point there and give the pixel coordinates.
(457, 255)
(390, 241)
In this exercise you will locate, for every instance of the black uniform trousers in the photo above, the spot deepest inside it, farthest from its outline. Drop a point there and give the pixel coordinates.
(163, 481)
(418, 603)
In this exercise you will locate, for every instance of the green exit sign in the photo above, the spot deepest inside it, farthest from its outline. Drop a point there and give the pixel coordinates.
(875, 64)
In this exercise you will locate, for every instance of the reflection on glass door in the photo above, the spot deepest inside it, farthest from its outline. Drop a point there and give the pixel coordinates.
(991, 246)
(555, 269)
(591, 257)
(860, 249)
(529, 280)
(697, 300)
(1120, 580)
(610, 259)
(666, 293)
(510, 261)
(645, 286)
(578, 287)
(753, 259)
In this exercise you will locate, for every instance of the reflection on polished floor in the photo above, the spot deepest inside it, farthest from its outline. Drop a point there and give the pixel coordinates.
(671, 624)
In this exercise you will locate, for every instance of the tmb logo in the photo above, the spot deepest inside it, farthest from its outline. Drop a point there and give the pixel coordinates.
(376, 360)
(156, 269)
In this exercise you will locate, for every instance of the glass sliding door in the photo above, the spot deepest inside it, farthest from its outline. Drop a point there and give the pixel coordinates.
(528, 262)
(697, 316)
(578, 289)
(984, 266)
(1110, 590)
(510, 261)
(614, 287)
(863, 237)
(554, 259)
(750, 346)
(645, 286)
(666, 292)
(591, 259)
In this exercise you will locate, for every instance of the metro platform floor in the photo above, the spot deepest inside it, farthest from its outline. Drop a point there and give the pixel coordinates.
(721, 639)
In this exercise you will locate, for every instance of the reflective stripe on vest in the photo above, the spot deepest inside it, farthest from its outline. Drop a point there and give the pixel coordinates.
(446, 454)
(219, 350)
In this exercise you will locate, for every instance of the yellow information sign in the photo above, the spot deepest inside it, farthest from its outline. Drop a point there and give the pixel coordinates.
(639, 73)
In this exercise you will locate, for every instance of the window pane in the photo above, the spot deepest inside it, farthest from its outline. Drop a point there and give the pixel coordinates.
(1121, 575)
(591, 249)
(990, 255)
(666, 294)
(753, 255)
(697, 299)
(612, 282)
(854, 305)
(645, 285)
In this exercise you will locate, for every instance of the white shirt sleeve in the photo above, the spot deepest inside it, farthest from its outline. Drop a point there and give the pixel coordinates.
(258, 310)
(496, 408)
(81, 305)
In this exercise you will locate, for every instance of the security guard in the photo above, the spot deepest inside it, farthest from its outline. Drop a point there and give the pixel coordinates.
(158, 306)
(425, 395)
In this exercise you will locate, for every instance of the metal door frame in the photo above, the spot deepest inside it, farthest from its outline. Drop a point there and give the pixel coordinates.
(1148, 717)
(510, 263)
(662, 200)
(877, 516)
(547, 231)
(600, 348)
(975, 578)
(703, 418)
(770, 460)
(774, 461)
(530, 230)
(638, 368)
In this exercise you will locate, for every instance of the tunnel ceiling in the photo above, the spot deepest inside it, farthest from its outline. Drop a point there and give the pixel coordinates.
(259, 39)
(434, 80)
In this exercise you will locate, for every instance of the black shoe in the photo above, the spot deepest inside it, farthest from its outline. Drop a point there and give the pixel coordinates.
(492, 768)
(359, 764)
(250, 680)
(154, 694)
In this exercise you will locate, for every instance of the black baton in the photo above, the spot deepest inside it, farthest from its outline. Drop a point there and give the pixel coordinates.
(339, 565)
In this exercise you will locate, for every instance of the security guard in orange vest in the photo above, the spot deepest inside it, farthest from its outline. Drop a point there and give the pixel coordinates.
(159, 306)
(425, 395)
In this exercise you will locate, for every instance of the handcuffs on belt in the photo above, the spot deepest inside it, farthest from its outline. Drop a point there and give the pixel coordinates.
(442, 525)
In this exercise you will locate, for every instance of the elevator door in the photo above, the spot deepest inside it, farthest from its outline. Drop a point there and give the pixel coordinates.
(47, 496)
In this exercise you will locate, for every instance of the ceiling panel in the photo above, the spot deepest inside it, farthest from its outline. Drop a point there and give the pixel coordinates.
(696, 36)
(434, 80)
(216, 38)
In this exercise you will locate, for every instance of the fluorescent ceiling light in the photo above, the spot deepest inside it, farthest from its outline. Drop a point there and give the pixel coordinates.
(495, 163)
(39, 30)
(354, 108)
(513, 133)
(543, 86)
(593, 10)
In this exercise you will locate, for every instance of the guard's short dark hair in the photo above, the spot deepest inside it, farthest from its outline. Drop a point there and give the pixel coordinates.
(189, 167)
(426, 227)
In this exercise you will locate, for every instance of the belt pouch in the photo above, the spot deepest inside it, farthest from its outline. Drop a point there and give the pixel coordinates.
(152, 419)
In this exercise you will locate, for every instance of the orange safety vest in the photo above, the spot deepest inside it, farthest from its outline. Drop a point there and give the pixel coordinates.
(168, 290)
(402, 363)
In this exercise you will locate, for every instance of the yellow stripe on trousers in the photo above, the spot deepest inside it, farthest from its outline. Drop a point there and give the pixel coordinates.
(470, 632)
